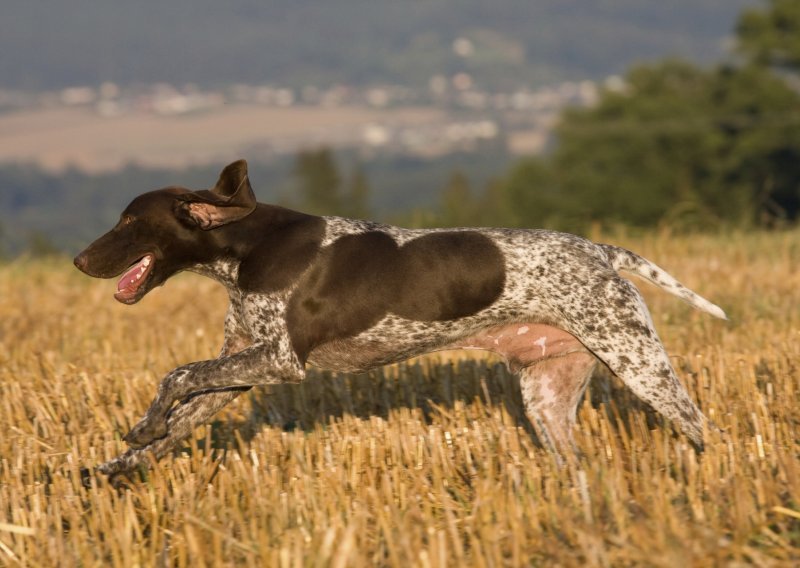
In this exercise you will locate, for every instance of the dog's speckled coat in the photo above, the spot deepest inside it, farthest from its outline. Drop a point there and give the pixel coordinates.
(350, 295)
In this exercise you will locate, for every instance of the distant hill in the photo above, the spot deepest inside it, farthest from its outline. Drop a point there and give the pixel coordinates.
(502, 43)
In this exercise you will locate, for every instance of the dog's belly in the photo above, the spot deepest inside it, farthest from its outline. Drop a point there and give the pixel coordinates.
(521, 344)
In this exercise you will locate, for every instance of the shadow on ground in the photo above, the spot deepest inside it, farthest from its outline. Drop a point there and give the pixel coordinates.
(325, 397)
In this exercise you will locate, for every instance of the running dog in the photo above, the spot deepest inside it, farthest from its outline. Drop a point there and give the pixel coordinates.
(351, 295)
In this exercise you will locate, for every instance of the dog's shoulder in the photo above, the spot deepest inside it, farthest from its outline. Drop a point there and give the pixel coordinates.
(281, 244)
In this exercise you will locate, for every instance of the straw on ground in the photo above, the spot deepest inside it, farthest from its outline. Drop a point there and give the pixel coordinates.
(425, 464)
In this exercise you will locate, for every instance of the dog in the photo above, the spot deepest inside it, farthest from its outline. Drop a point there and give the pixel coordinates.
(351, 295)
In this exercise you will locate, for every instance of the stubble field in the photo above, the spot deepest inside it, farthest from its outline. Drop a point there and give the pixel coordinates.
(424, 464)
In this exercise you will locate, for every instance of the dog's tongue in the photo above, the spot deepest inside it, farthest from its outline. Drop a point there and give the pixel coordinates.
(132, 279)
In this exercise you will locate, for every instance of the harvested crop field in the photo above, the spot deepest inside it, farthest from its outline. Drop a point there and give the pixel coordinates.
(423, 464)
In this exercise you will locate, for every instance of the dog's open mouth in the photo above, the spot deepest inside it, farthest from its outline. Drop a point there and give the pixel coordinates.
(133, 278)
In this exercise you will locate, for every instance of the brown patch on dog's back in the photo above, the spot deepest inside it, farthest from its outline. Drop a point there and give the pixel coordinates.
(359, 279)
(449, 275)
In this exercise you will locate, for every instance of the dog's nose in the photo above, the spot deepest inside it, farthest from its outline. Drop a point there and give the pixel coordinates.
(81, 261)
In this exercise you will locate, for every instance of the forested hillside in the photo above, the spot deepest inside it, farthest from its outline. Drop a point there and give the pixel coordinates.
(675, 144)
(299, 42)
(40, 211)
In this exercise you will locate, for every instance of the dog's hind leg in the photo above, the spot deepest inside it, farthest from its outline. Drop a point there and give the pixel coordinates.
(181, 421)
(554, 369)
(614, 323)
(551, 391)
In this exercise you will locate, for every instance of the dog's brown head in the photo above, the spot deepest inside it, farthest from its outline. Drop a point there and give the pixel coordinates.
(168, 230)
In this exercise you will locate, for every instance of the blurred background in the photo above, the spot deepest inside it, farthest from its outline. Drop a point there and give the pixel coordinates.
(569, 114)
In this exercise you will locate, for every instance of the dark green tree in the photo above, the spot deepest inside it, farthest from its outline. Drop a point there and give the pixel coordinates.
(639, 152)
(680, 144)
(358, 195)
(319, 182)
(458, 208)
(528, 197)
(494, 209)
(686, 145)
(771, 35)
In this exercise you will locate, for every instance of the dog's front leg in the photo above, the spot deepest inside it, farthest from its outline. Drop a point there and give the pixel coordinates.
(257, 365)
(180, 423)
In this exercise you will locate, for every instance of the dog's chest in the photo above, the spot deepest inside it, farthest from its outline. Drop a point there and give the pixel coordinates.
(392, 340)
(262, 316)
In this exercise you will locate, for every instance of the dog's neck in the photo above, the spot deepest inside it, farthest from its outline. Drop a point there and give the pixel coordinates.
(269, 222)
(223, 270)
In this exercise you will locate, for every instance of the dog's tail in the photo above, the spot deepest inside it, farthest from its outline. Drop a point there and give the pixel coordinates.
(623, 259)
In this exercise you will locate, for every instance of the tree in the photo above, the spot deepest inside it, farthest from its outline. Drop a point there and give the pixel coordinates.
(357, 201)
(771, 36)
(319, 182)
(680, 144)
(528, 197)
(717, 143)
(637, 153)
(457, 205)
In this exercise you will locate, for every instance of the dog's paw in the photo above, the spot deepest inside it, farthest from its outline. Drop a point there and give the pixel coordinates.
(115, 470)
(111, 467)
(145, 432)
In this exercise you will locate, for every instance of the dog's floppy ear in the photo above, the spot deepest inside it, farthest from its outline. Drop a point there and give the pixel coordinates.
(230, 200)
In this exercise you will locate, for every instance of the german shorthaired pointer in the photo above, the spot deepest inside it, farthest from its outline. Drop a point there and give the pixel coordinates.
(350, 295)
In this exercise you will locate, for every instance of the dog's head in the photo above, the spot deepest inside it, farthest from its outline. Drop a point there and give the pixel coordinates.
(168, 230)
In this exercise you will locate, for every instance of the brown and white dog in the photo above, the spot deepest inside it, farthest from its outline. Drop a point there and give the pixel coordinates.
(350, 295)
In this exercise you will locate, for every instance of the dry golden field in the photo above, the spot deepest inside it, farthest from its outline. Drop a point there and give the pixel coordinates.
(426, 464)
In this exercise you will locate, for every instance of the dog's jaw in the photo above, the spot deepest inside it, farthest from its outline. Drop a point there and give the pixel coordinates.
(131, 286)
